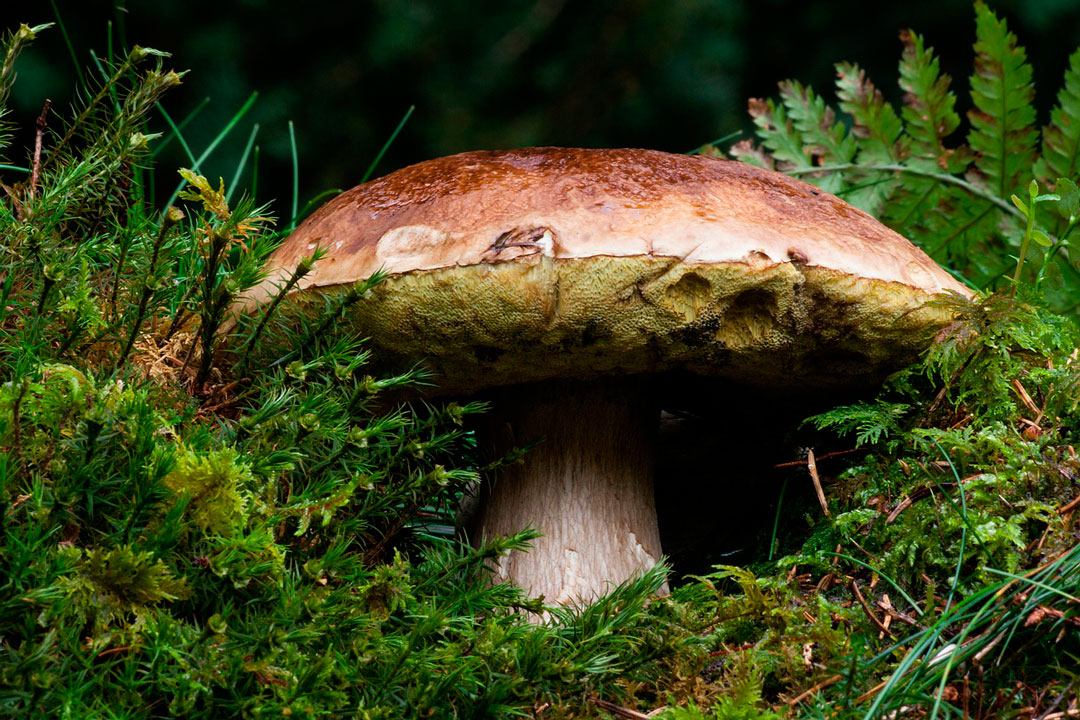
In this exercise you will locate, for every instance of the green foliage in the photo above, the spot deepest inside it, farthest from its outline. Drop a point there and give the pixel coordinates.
(949, 196)
(971, 460)
(954, 521)
(215, 488)
(1002, 134)
(872, 422)
(946, 570)
(183, 538)
(742, 704)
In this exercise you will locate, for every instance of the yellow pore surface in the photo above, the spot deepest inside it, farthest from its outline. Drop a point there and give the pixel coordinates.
(778, 324)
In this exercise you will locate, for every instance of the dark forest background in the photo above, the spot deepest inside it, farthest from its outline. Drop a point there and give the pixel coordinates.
(667, 74)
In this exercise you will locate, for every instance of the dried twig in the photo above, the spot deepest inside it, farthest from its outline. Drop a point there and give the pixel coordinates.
(886, 604)
(900, 507)
(1042, 612)
(919, 494)
(826, 456)
(986, 649)
(1070, 506)
(1026, 399)
(868, 610)
(1070, 713)
(807, 693)
(20, 213)
(726, 651)
(811, 464)
(617, 709)
(35, 169)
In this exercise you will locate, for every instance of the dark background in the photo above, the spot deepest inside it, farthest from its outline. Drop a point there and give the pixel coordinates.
(667, 74)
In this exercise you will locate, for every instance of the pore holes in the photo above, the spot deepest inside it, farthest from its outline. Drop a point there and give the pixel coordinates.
(748, 319)
(752, 302)
(689, 295)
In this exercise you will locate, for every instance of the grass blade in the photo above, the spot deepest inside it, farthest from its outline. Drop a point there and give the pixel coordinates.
(295, 175)
(214, 143)
(387, 144)
(176, 128)
(243, 161)
(67, 41)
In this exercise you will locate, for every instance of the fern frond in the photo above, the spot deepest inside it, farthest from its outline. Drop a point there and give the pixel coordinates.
(949, 195)
(878, 130)
(875, 121)
(872, 422)
(778, 134)
(748, 152)
(1003, 120)
(1061, 138)
(825, 140)
(928, 112)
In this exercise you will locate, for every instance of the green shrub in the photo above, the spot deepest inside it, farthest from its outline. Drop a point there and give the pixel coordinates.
(184, 537)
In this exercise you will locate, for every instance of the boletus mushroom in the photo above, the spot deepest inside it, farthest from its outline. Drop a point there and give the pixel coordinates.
(575, 281)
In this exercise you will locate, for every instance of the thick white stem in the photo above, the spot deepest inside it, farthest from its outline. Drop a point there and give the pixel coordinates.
(587, 486)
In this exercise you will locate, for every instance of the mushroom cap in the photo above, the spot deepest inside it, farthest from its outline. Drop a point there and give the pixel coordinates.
(523, 265)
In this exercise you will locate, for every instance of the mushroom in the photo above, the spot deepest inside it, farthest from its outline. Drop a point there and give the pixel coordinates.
(573, 284)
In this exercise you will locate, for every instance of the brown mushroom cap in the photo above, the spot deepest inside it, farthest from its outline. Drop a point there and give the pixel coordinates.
(522, 265)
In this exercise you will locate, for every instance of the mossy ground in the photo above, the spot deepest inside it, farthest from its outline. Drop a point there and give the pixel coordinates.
(191, 528)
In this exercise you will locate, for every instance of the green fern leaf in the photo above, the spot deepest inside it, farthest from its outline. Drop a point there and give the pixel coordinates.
(1061, 138)
(878, 131)
(875, 121)
(928, 112)
(825, 140)
(778, 135)
(749, 152)
(872, 422)
(1003, 133)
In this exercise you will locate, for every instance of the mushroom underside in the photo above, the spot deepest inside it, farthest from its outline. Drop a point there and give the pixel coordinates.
(507, 323)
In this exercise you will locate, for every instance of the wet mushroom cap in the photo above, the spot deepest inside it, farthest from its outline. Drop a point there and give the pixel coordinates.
(523, 265)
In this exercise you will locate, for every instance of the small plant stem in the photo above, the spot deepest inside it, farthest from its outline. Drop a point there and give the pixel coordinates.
(1062, 241)
(35, 172)
(118, 274)
(1024, 244)
(16, 426)
(171, 218)
(129, 62)
(178, 318)
(46, 286)
(215, 298)
(243, 161)
(75, 334)
(67, 41)
(718, 141)
(939, 176)
(295, 176)
(776, 519)
(301, 270)
(387, 144)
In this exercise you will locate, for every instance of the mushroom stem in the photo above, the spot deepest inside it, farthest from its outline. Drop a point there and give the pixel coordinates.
(587, 486)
